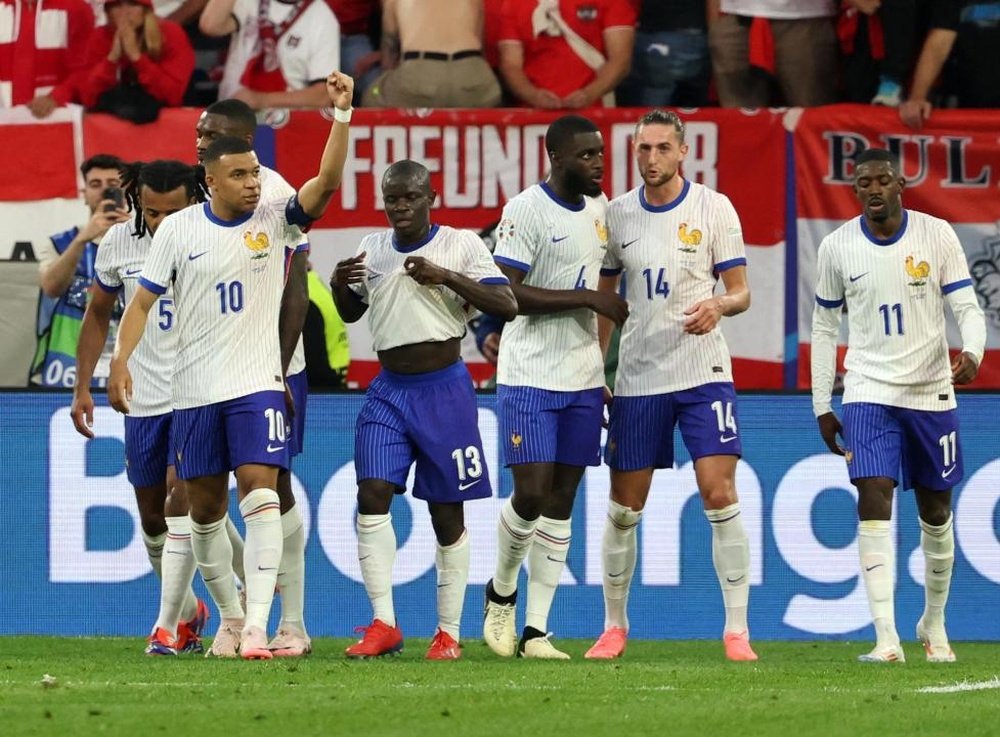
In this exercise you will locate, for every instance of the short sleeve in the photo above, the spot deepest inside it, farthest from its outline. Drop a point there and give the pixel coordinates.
(46, 253)
(361, 288)
(612, 263)
(619, 13)
(518, 235)
(479, 264)
(106, 274)
(161, 263)
(509, 13)
(829, 282)
(954, 264)
(728, 249)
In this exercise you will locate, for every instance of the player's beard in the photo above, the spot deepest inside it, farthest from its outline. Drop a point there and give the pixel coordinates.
(659, 180)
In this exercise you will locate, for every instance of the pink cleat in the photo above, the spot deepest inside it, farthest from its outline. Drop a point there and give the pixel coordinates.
(253, 644)
(737, 646)
(610, 645)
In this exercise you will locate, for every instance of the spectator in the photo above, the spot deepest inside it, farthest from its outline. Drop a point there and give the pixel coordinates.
(357, 55)
(431, 63)
(970, 32)
(137, 63)
(566, 53)
(324, 337)
(66, 274)
(793, 41)
(42, 50)
(280, 52)
(670, 65)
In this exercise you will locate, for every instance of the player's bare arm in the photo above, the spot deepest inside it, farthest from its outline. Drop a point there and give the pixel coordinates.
(494, 299)
(93, 335)
(538, 301)
(58, 275)
(349, 271)
(130, 331)
(294, 307)
(705, 315)
(315, 195)
(607, 285)
(964, 368)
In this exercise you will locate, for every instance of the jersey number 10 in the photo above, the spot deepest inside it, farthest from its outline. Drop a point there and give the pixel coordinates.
(230, 296)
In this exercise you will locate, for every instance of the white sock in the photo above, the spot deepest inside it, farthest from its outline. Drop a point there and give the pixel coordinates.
(237, 544)
(618, 554)
(178, 572)
(878, 567)
(514, 538)
(261, 553)
(376, 555)
(291, 572)
(154, 549)
(452, 564)
(938, 544)
(214, 554)
(731, 556)
(546, 561)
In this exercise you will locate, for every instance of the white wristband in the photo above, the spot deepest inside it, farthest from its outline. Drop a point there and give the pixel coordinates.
(343, 116)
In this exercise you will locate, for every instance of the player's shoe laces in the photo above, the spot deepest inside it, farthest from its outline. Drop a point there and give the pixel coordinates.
(160, 643)
(290, 642)
(884, 654)
(253, 644)
(541, 648)
(737, 646)
(499, 631)
(378, 639)
(610, 645)
(443, 647)
(226, 643)
(935, 641)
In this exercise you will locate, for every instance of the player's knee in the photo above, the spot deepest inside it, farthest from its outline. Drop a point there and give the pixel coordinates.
(375, 496)
(719, 495)
(935, 515)
(176, 504)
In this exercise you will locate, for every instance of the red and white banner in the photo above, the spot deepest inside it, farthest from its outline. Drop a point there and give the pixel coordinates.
(952, 168)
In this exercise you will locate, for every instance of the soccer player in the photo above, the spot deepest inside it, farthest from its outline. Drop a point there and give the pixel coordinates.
(154, 191)
(227, 263)
(418, 283)
(893, 269)
(550, 376)
(673, 239)
(235, 118)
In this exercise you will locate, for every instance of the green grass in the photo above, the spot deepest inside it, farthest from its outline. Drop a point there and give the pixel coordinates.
(106, 686)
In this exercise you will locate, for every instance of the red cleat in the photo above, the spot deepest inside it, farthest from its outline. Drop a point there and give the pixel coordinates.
(737, 646)
(379, 639)
(609, 645)
(443, 647)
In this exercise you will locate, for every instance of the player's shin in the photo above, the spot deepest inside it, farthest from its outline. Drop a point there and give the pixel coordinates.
(262, 553)
(938, 544)
(878, 565)
(214, 554)
(452, 563)
(177, 573)
(618, 556)
(292, 569)
(376, 555)
(731, 556)
(546, 561)
(514, 538)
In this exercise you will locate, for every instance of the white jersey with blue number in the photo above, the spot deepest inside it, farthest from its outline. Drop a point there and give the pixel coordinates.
(671, 256)
(559, 246)
(228, 277)
(120, 260)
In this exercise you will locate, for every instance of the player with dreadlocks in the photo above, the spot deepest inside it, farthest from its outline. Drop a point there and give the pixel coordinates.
(153, 191)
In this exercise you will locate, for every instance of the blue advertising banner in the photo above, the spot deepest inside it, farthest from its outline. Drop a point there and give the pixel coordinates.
(73, 561)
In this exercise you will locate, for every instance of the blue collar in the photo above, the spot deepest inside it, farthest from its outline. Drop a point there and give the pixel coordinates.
(562, 203)
(226, 223)
(419, 244)
(667, 207)
(891, 239)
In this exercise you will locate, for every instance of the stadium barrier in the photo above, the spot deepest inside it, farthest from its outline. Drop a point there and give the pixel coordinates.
(74, 563)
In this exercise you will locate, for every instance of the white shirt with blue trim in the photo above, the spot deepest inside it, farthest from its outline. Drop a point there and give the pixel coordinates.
(670, 257)
(228, 277)
(559, 246)
(894, 291)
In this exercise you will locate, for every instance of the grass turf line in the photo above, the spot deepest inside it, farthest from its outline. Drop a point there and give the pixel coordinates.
(107, 686)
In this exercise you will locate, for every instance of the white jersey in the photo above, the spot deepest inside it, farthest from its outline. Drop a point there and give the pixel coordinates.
(402, 312)
(897, 353)
(559, 246)
(228, 278)
(671, 256)
(120, 260)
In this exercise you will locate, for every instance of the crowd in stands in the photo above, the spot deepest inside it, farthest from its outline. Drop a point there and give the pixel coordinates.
(132, 57)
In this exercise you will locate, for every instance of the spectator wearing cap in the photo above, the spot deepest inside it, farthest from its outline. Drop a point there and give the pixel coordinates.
(432, 51)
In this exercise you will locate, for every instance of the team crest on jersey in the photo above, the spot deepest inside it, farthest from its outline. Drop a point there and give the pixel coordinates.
(515, 440)
(848, 456)
(984, 267)
(690, 238)
(259, 244)
(505, 229)
(918, 271)
(602, 231)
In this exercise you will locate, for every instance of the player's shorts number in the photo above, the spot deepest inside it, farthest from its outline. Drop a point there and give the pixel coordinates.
(276, 428)
(166, 314)
(230, 296)
(656, 287)
(949, 448)
(467, 462)
(724, 415)
(887, 323)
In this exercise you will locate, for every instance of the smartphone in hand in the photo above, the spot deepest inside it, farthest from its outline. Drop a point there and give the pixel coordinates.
(116, 194)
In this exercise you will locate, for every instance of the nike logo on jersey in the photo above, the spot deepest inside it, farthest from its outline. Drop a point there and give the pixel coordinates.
(946, 474)
(274, 448)
(193, 256)
(130, 272)
(855, 278)
(724, 439)
(872, 568)
(626, 245)
(559, 240)
(463, 487)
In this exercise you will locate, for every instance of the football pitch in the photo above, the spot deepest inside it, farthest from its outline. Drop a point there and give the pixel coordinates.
(76, 686)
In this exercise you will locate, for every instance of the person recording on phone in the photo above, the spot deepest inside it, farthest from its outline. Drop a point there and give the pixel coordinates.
(66, 274)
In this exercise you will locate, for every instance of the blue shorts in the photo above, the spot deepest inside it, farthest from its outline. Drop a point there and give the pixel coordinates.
(223, 436)
(148, 451)
(543, 426)
(299, 386)
(431, 419)
(641, 430)
(880, 439)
